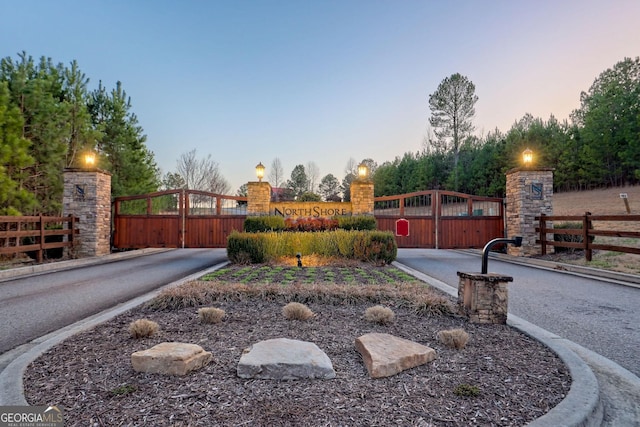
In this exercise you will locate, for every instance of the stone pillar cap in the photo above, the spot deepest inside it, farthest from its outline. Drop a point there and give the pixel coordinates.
(489, 277)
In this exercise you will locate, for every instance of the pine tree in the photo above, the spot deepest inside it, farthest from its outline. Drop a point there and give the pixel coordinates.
(14, 159)
(122, 149)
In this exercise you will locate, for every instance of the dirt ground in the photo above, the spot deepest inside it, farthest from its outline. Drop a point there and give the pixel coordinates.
(603, 202)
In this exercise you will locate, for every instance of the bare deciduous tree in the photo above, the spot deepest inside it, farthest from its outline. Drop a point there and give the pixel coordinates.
(313, 173)
(276, 173)
(201, 174)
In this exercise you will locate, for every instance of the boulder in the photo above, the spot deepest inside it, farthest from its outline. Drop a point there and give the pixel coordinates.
(171, 358)
(385, 355)
(285, 359)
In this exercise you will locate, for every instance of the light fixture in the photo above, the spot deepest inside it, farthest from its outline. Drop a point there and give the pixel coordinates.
(362, 170)
(89, 159)
(527, 157)
(260, 171)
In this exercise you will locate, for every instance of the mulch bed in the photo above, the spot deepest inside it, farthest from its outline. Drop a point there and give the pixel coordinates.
(91, 377)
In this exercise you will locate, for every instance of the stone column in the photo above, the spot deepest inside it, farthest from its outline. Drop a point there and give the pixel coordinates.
(87, 195)
(483, 298)
(529, 194)
(362, 198)
(258, 198)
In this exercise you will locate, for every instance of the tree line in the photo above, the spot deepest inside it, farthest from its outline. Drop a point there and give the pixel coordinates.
(599, 146)
(49, 118)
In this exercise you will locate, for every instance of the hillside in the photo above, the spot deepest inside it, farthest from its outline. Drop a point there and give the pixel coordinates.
(598, 202)
(603, 202)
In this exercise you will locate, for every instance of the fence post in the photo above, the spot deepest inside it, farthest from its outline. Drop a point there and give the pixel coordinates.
(40, 252)
(543, 234)
(586, 225)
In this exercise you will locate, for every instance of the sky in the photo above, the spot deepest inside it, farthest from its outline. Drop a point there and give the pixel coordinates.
(323, 81)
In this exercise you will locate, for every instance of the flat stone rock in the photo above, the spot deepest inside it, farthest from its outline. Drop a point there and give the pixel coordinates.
(285, 359)
(171, 358)
(385, 355)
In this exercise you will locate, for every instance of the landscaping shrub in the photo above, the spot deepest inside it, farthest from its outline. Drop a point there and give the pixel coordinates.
(297, 311)
(379, 314)
(310, 224)
(211, 314)
(142, 328)
(453, 338)
(568, 238)
(245, 248)
(466, 390)
(357, 222)
(254, 224)
(371, 246)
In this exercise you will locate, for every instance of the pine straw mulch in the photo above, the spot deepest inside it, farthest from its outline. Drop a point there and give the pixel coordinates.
(90, 374)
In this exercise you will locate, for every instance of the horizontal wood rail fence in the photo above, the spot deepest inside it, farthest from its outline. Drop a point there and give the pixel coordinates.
(19, 234)
(588, 233)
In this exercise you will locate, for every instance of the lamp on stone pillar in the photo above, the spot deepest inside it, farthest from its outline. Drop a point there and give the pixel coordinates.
(527, 157)
(260, 171)
(363, 171)
(89, 159)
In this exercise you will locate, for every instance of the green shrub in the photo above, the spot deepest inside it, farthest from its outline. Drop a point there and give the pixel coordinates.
(309, 197)
(357, 222)
(466, 390)
(254, 224)
(243, 248)
(373, 246)
(568, 238)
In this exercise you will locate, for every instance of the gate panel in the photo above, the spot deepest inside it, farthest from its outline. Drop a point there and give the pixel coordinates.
(136, 232)
(468, 232)
(442, 219)
(175, 219)
(421, 231)
(211, 231)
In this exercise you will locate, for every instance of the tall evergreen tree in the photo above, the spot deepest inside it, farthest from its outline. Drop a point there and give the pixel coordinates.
(122, 149)
(37, 91)
(14, 159)
(452, 111)
(609, 118)
(299, 182)
(80, 133)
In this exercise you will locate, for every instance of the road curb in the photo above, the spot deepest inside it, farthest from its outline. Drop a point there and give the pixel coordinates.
(581, 407)
(11, 385)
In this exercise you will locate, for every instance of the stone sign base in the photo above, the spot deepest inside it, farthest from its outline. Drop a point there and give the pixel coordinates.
(483, 298)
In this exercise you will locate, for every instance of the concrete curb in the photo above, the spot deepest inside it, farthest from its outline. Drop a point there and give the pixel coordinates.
(11, 385)
(581, 407)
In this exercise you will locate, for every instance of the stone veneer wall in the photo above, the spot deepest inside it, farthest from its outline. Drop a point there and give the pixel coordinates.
(87, 195)
(483, 298)
(259, 202)
(524, 204)
(258, 198)
(362, 198)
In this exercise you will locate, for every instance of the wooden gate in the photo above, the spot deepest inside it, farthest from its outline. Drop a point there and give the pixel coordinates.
(197, 219)
(441, 219)
(176, 219)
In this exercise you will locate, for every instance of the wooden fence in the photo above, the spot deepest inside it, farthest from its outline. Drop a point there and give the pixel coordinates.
(19, 234)
(586, 235)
